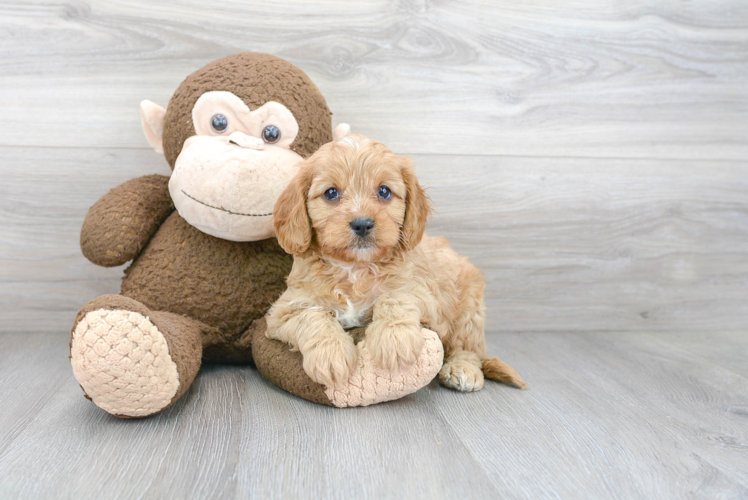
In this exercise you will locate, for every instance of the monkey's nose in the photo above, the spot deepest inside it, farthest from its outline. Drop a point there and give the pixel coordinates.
(246, 141)
(362, 227)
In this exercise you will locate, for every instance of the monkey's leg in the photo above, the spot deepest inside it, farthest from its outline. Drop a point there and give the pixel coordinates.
(133, 362)
(368, 384)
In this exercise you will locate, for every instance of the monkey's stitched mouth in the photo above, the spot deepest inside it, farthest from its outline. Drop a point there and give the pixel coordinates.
(224, 209)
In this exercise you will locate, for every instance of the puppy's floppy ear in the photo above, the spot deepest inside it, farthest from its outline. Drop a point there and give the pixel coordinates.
(417, 208)
(292, 226)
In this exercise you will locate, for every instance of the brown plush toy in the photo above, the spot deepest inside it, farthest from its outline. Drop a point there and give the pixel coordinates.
(205, 264)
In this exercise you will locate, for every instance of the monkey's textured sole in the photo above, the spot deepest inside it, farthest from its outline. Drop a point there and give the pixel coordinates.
(122, 362)
(370, 384)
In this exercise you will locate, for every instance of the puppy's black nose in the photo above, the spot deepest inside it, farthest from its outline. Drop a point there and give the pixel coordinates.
(362, 227)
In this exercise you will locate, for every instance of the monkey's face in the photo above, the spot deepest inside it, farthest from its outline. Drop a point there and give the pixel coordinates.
(230, 173)
(233, 133)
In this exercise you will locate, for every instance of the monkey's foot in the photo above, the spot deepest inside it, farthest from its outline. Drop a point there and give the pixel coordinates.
(370, 384)
(122, 362)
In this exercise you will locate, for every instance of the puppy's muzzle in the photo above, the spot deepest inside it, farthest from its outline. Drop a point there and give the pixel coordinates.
(362, 227)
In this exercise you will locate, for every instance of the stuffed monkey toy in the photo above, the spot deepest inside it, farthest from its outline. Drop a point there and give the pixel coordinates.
(205, 265)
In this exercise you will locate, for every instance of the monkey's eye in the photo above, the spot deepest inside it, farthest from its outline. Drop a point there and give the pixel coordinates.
(331, 194)
(271, 134)
(385, 193)
(219, 123)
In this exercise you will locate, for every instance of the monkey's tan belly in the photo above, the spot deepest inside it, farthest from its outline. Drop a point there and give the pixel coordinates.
(222, 283)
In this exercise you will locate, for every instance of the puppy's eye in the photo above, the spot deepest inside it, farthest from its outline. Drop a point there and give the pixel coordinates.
(385, 193)
(271, 134)
(219, 123)
(331, 194)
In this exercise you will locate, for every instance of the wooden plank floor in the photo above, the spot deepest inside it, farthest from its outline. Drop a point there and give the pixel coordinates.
(607, 415)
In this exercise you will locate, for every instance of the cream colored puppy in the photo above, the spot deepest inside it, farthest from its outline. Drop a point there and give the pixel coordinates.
(354, 219)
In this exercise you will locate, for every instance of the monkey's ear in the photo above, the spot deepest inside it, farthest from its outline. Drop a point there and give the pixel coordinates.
(417, 208)
(340, 131)
(152, 117)
(292, 226)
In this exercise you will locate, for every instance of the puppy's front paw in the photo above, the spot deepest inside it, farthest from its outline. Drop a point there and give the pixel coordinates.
(330, 359)
(395, 346)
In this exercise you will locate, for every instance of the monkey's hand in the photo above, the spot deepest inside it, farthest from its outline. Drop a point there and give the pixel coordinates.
(121, 223)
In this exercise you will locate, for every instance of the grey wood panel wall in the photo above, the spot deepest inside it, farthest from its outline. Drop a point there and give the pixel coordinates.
(589, 156)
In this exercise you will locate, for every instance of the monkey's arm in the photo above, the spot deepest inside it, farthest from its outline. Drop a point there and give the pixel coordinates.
(121, 223)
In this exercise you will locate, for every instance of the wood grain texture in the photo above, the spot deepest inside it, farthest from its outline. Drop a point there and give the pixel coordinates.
(642, 78)
(606, 416)
(564, 244)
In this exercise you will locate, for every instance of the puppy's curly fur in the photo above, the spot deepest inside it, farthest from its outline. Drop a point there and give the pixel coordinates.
(354, 219)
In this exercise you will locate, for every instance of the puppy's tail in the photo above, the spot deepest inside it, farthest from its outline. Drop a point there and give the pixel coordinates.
(497, 370)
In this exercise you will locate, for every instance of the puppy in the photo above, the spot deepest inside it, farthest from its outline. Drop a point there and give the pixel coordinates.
(354, 219)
